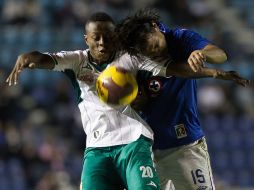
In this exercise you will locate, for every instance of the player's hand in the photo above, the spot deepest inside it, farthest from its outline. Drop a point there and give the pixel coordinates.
(233, 76)
(197, 60)
(21, 63)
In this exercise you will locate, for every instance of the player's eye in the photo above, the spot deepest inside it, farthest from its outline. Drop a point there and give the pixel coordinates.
(96, 38)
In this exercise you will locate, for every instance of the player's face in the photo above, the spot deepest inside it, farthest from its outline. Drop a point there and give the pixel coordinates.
(100, 40)
(155, 44)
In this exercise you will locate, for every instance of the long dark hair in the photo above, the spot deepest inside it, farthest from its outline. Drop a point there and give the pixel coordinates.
(132, 31)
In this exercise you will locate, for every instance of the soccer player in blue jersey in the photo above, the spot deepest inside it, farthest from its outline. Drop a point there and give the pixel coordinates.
(180, 147)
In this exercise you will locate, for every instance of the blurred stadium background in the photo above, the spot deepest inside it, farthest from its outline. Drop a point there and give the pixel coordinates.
(41, 137)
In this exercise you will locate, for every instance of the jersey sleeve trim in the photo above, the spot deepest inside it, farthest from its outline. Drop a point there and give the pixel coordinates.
(53, 58)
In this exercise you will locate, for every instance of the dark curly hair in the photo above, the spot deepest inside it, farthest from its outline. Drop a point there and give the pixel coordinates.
(132, 31)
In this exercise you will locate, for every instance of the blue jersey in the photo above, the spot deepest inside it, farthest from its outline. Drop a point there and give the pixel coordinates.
(172, 107)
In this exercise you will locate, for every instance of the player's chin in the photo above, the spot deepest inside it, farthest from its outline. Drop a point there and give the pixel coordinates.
(104, 56)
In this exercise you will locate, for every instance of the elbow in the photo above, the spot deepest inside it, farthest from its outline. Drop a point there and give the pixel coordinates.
(215, 54)
(224, 57)
(220, 58)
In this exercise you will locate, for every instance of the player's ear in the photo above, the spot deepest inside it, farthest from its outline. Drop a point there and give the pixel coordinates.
(85, 38)
(155, 26)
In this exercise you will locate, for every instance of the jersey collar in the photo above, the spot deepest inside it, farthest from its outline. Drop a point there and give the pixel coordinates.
(103, 65)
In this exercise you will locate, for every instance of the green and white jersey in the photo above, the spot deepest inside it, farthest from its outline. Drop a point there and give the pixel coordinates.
(104, 125)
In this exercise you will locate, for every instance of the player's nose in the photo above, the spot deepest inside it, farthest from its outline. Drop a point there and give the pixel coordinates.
(102, 41)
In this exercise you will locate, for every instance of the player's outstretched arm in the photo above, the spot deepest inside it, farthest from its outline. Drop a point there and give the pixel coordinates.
(231, 76)
(210, 54)
(30, 60)
(183, 70)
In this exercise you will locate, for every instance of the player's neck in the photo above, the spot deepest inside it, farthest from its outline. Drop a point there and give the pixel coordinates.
(164, 52)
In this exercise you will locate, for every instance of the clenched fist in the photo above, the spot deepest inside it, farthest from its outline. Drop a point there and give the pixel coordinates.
(196, 60)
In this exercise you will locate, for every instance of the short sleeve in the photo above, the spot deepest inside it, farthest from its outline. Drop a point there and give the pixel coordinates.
(190, 40)
(67, 60)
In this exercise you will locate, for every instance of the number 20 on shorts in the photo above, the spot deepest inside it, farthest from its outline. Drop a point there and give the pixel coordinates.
(146, 171)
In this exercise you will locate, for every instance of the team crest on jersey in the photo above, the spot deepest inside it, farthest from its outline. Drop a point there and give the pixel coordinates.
(180, 131)
(154, 85)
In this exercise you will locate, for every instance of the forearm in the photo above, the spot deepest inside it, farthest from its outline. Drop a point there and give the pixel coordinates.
(38, 60)
(30, 60)
(183, 70)
(214, 54)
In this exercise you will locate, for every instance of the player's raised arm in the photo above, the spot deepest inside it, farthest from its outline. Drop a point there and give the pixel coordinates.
(210, 54)
(30, 60)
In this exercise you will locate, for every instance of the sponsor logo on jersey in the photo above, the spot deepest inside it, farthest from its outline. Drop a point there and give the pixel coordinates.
(180, 131)
(152, 184)
(202, 188)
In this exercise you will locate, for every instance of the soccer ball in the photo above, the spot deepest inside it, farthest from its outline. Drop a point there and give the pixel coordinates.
(116, 86)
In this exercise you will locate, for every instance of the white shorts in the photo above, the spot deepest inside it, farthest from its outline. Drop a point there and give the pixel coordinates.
(185, 167)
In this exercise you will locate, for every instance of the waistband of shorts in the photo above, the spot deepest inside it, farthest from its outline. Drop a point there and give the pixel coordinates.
(141, 137)
(202, 139)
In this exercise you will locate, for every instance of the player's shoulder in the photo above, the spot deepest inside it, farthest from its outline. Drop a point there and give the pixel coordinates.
(83, 57)
(126, 61)
(183, 32)
(122, 55)
(81, 54)
(121, 58)
(78, 57)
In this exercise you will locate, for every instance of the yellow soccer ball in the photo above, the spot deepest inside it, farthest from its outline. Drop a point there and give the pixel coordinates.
(116, 86)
